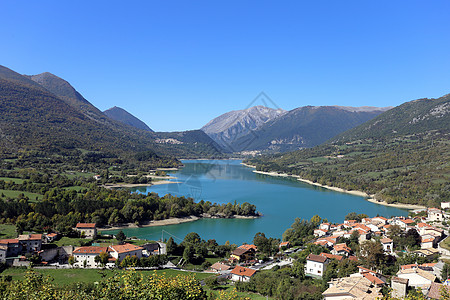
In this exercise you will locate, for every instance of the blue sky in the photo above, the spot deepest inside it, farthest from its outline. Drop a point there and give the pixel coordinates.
(178, 64)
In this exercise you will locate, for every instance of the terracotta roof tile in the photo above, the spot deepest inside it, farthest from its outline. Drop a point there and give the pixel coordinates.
(241, 271)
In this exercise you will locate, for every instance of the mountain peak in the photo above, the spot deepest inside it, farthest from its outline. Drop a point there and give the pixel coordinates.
(121, 115)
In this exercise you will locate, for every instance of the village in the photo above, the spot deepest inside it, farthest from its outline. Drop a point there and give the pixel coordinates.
(345, 241)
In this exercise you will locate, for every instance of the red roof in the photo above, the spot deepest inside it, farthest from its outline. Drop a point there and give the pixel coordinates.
(125, 248)
(372, 278)
(342, 247)
(241, 271)
(85, 225)
(9, 241)
(316, 258)
(247, 247)
(332, 256)
(90, 250)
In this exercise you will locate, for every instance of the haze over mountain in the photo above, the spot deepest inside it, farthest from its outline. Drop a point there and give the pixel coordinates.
(264, 129)
(232, 125)
(53, 117)
(121, 115)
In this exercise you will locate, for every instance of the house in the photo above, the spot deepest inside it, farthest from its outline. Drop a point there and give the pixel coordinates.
(13, 247)
(341, 249)
(325, 226)
(85, 256)
(435, 214)
(285, 245)
(320, 232)
(248, 246)
(152, 249)
(388, 245)
(370, 274)
(427, 241)
(31, 242)
(332, 256)
(119, 252)
(243, 254)
(399, 287)
(242, 274)
(50, 237)
(428, 253)
(326, 241)
(316, 265)
(381, 220)
(220, 267)
(353, 287)
(436, 289)
(402, 222)
(445, 205)
(417, 277)
(88, 229)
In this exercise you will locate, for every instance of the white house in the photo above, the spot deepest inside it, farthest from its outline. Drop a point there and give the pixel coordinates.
(88, 229)
(325, 226)
(242, 274)
(119, 252)
(316, 265)
(85, 256)
(435, 214)
(427, 241)
(445, 205)
(388, 245)
(320, 232)
(417, 277)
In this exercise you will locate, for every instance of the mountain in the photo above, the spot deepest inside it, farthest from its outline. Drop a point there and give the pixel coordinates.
(418, 116)
(35, 120)
(232, 125)
(401, 156)
(304, 127)
(121, 115)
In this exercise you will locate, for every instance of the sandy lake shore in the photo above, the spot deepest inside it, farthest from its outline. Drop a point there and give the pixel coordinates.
(131, 185)
(368, 197)
(170, 221)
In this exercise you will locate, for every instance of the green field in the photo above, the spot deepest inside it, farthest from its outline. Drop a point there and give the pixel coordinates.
(63, 277)
(9, 179)
(446, 243)
(15, 194)
(7, 231)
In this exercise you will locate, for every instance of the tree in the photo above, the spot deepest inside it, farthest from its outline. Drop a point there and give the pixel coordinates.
(72, 260)
(102, 259)
(192, 238)
(171, 246)
(372, 254)
(121, 237)
(262, 243)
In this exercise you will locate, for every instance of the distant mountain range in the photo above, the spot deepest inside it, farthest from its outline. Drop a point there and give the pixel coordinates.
(121, 115)
(232, 125)
(45, 113)
(265, 129)
(400, 156)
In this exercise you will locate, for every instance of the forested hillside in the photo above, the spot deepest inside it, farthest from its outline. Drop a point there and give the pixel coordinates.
(402, 156)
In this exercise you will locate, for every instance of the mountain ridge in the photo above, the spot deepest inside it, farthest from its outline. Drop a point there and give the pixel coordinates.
(121, 115)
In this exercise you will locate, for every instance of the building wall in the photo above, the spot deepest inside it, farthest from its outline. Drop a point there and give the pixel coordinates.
(315, 268)
(235, 277)
(415, 280)
(89, 258)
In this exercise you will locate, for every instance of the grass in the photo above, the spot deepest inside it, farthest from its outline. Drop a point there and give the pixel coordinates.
(7, 231)
(446, 243)
(10, 179)
(15, 194)
(67, 241)
(63, 277)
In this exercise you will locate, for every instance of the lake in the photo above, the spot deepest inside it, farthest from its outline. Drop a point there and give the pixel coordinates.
(279, 199)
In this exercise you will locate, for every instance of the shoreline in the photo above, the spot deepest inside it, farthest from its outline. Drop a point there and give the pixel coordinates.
(170, 221)
(132, 185)
(366, 196)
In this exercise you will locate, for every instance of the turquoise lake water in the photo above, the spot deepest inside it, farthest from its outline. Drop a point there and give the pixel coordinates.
(280, 200)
